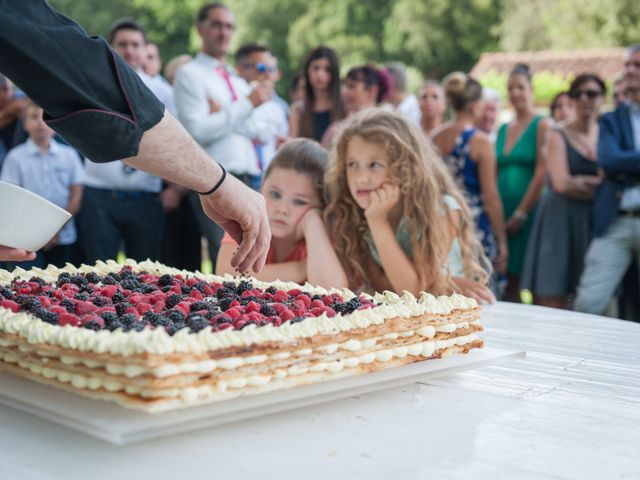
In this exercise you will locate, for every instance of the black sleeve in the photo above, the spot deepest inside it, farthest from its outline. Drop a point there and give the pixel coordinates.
(90, 96)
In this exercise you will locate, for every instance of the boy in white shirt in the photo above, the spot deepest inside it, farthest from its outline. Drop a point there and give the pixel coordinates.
(53, 171)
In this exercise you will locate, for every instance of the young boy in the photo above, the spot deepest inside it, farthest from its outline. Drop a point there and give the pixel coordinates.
(51, 170)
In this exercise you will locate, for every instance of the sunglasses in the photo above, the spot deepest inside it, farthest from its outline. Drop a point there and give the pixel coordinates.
(591, 94)
(260, 67)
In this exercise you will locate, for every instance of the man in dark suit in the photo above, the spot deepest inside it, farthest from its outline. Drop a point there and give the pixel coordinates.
(617, 202)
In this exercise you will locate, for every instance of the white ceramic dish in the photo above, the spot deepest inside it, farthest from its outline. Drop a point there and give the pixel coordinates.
(27, 220)
(120, 425)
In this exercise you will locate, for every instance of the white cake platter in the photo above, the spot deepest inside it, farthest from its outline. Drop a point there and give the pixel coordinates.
(113, 423)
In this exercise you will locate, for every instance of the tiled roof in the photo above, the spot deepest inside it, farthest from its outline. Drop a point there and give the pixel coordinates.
(606, 62)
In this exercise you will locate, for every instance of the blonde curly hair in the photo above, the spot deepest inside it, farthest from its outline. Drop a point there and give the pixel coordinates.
(424, 180)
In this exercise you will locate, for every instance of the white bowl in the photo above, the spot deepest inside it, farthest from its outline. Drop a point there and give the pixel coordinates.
(27, 220)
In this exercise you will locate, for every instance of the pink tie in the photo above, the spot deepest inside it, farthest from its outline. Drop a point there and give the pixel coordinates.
(234, 96)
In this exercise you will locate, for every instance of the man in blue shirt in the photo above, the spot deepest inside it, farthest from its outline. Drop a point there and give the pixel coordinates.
(617, 202)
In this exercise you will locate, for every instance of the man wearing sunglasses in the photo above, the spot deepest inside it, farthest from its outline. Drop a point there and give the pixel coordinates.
(257, 65)
(617, 203)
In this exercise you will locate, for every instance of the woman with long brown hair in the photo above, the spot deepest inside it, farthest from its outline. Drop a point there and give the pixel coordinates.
(322, 104)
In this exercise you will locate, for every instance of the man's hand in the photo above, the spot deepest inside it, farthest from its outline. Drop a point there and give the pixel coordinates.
(241, 212)
(382, 202)
(9, 254)
(260, 94)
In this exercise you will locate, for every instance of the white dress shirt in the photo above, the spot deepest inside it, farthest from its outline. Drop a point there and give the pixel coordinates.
(226, 134)
(409, 108)
(119, 176)
(272, 111)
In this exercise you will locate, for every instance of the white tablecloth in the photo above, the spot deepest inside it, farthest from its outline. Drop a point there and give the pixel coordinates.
(570, 410)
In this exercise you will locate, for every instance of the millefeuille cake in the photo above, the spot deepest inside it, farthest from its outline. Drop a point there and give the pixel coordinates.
(154, 338)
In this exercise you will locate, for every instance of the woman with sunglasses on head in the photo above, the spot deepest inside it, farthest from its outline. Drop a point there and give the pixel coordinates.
(562, 228)
(322, 104)
(520, 171)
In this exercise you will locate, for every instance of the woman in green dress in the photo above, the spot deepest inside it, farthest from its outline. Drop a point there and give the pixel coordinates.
(520, 171)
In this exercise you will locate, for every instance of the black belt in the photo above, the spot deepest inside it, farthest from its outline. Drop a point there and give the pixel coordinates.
(630, 213)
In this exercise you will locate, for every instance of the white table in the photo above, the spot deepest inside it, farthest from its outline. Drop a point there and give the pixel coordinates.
(570, 410)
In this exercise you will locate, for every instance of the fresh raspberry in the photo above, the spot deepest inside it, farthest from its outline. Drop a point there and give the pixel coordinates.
(279, 308)
(234, 313)
(82, 308)
(109, 308)
(134, 298)
(68, 319)
(159, 306)
(58, 309)
(223, 326)
(287, 315)
(143, 308)
(276, 322)
(235, 303)
(191, 281)
(184, 307)
(109, 290)
(196, 294)
(92, 318)
(317, 304)
(303, 297)
(253, 307)
(44, 301)
(255, 316)
(330, 312)
(298, 308)
(157, 297)
(295, 292)
(317, 311)
(280, 296)
(11, 305)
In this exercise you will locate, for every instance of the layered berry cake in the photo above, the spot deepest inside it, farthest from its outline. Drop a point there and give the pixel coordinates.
(155, 338)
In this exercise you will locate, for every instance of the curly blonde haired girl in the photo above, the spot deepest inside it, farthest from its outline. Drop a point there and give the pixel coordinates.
(398, 219)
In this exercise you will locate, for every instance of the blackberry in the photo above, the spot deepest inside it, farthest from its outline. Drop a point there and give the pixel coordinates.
(316, 297)
(131, 284)
(47, 316)
(121, 308)
(175, 327)
(212, 313)
(87, 289)
(155, 319)
(225, 303)
(127, 320)
(147, 288)
(197, 306)
(243, 286)
(83, 297)
(296, 319)
(165, 280)
(111, 321)
(185, 289)
(68, 305)
(126, 272)
(197, 322)
(222, 320)
(223, 292)
(109, 280)
(268, 311)
(92, 325)
(22, 298)
(50, 293)
(166, 289)
(118, 297)
(173, 300)
(340, 307)
(138, 326)
(79, 280)
(271, 290)
(6, 293)
(200, 287)
(176, 316)
(63, 279)
(31, 305)
(93, 277)
(101, 301)
(230, 286)
(109, 317)
(38, 280)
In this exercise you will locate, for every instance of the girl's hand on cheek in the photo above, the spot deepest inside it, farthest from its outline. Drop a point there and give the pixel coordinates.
(310, 217)
(382, 201)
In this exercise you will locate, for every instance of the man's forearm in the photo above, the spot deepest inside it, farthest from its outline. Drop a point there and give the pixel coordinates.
(168, 151)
